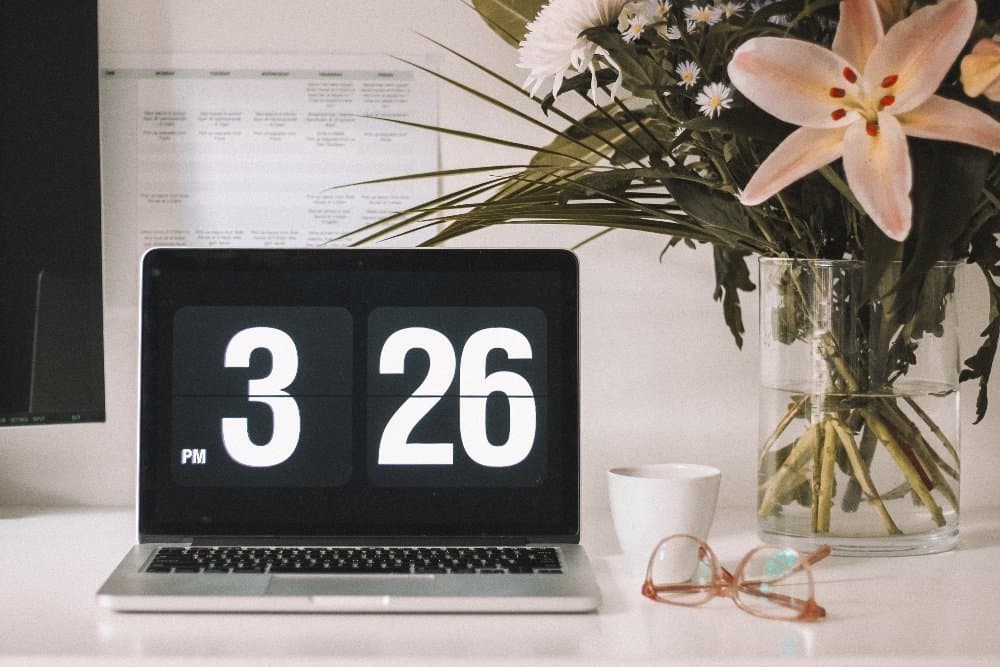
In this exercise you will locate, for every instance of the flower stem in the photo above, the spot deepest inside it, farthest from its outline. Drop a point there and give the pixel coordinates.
(866, 451)
(824, 501)
(892, 446)
(863, 477)
(804, 447)
(780, 427)
(935, 429)
(902, 423)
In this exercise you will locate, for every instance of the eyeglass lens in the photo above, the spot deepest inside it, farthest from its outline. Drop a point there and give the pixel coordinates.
(682, 571)
(773, 582)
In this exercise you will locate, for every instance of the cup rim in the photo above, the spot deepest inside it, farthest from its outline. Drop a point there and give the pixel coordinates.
(666, 471)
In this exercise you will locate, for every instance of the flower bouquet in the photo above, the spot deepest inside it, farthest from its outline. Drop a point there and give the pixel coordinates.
(854, 142)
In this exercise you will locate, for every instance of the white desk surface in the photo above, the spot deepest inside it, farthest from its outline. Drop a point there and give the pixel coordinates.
(929, 610)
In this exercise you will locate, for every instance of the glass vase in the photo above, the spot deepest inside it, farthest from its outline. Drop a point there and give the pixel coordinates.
(859, 409)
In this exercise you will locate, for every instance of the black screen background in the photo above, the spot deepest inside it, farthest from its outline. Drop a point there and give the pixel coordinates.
(361, 280)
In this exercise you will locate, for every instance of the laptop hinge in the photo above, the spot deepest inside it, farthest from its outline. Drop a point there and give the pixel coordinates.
(166, 539)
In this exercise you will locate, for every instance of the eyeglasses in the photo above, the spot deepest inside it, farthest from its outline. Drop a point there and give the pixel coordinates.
(770, 581)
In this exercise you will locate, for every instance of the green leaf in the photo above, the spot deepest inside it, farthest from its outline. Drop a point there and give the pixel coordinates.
(986, 254)
(571, 152)
(731, 276)
(880, 251)
(711, 207)
(612, 182)
(980, 365)
(597, 121)
(579, 83)
(508, 18)
(947, 181)
(641, 76)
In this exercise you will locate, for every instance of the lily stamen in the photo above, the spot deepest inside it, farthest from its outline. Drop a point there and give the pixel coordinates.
(837, 92)
(850, 75)
(890, 81)
(871, 127)
(886, 102)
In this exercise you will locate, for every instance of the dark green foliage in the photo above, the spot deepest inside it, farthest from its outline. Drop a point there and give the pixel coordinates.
(651, 161)
(731, 276)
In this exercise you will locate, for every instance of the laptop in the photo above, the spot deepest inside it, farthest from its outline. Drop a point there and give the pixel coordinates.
(357, 430)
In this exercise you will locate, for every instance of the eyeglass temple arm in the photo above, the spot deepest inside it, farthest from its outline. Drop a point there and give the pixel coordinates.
(806, 608)
(821, 552)
(786, 600)
(686, 587)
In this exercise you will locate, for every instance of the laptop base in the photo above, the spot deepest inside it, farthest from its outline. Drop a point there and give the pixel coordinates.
(131, 589)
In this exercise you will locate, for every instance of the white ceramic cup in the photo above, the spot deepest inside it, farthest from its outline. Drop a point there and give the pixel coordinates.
(651, 502)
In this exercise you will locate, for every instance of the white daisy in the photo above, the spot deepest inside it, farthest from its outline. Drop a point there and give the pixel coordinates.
(731, 9)
(703, 14)
(688, 71)
(713, 98)
(552, 45)
(634, 25)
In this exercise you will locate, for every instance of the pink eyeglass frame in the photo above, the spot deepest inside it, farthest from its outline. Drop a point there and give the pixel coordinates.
(723, 583)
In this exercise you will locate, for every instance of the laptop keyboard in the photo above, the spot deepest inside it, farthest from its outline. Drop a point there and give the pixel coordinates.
(357, 560)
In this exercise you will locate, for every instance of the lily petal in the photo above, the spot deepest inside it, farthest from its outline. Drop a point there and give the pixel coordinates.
(981, 70)
(859, 30)
(879, 173)
(948, 120)
(803, 151)
(919, 51)
(790, 79)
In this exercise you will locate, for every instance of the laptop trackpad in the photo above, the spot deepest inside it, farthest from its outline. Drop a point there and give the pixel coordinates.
(348, 584)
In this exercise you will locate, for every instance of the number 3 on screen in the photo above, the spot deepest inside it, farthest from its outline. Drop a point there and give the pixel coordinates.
(269, 390)
(475, 386)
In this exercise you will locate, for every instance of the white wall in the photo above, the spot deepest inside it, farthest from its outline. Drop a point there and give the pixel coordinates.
(662, 379)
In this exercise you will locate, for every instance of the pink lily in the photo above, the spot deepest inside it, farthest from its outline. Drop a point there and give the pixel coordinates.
(860, 101)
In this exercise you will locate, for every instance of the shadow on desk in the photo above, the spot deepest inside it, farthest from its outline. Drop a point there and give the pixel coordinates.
(26, 511)
(977, 536)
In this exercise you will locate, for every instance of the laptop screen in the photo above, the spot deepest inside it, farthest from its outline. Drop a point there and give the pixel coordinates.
(378, 394)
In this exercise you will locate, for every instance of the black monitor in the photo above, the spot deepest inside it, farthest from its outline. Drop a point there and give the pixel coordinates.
(51, 344)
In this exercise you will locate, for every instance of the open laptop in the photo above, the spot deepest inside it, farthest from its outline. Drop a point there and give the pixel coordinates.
(357, 430)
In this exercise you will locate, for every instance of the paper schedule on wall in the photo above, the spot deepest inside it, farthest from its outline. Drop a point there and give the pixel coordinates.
(228, 150)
